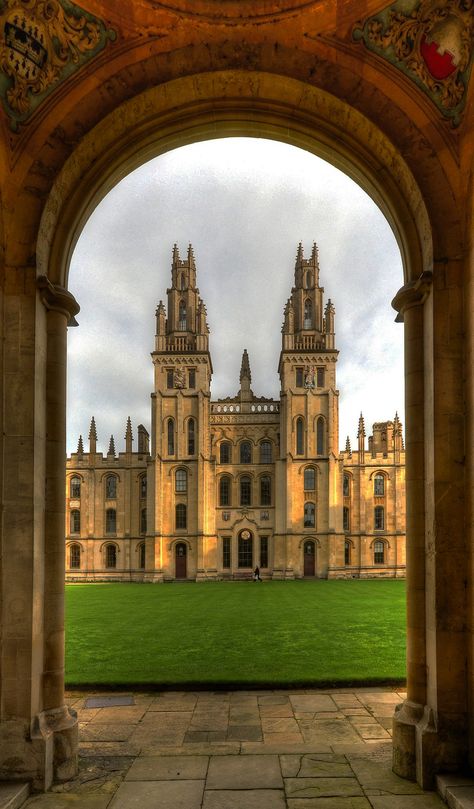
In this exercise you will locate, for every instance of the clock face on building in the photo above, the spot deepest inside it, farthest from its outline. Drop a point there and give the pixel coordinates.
(245, 535)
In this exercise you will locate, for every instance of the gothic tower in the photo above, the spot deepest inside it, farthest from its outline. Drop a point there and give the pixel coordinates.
(308, 473)
(182, 491)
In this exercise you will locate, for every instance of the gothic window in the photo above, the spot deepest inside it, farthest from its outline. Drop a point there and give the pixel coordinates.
(183, 282)
(75, 521)
(346, 519)
(141, 556)
(245, 452)
(265, 490)
(299, 377)
(225, 452)
(320, 436)
(75, 488)
(379, 485)
(245, 549)
(299, 436)
(309, 279)
(224, 491)
(245, 491)
(347, 552)
(143, 487)
(379, 552)
(379, 518)
(226, 552)
(346, 486)
(170, 379)
(191, 378)
(182, 321)
(320, 377)
(110, 487)
(170, 437)
(263, 551)
(75, 557)
(191, 437)
(143, 521)
(181, 516)
(309, 515)
(265, 452)
(309, 479)
(181, 480)
(308, 314)
(110, 521)
(110, 556)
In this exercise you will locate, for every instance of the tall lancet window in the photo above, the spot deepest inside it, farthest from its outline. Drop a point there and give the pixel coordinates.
(191, 437)
(170, 437)
(183, 282)
(182, 320)
(308, 314)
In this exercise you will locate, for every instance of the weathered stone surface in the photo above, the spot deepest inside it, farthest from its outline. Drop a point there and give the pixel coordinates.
(158, 795)
(248, 799)
(321, 787)
(244, 772)
(164, 768)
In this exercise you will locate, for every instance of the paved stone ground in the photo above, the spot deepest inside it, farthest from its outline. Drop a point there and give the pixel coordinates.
(239, 750)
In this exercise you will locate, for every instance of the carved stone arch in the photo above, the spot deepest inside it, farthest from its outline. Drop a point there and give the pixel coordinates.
(309, 538)
(109, 542)
(382, 472)
(173, 468)
(180, 541)
(70, 542)
(381, 538)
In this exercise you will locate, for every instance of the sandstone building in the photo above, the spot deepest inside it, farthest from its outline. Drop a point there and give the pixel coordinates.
(241, 481)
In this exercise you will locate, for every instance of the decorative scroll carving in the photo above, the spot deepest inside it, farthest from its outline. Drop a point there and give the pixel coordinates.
(43, 42)
(432, 44)
(58, 299)
(412, 294)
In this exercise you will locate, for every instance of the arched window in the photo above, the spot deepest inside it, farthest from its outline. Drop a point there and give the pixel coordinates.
(181, 516)
(170, 437)
(379, 552)
(181, 480)
(110, 487)
(379, 485)
(346, 519)
(320, 436)
(226, 452)
(75, 556)
(245, 549)
(379, 518)
(245, 452)
(141, 556)
(346, 486)
(75, 488)
(143, 487)
(110, 521)
(266, 452)
(309, 479)
(309, 515)
(143, 521)
(75, 521)
(245, 491)
(265, 490)
(347, 552)
(308, 314)
(110, 556)
(299, 436)
(224, 491)
(182, 322)
(191, 437)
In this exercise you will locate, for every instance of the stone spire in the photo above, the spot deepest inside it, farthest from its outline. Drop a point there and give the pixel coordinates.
(361, 438)
(80, 447)
(245, 367)
(299, 255)
(111, 452)
(128, 436)
(92, 437)
(245, 378)
(329, 324)
(348, 447)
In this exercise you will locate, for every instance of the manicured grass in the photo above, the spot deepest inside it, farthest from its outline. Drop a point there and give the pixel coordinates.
(236, 633)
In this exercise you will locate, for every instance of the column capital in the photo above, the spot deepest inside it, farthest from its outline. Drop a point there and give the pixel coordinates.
(57, 299)
(412, 294)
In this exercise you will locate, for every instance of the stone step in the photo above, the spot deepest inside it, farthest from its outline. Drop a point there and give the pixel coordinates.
(456, 790)
(13, 794)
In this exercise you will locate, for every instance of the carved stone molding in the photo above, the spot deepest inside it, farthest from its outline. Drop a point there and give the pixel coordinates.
(58, 299)
(431, 41)
(412, 294)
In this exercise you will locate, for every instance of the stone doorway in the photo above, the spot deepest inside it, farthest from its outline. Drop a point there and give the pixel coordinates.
(181, 560)
(309, 555)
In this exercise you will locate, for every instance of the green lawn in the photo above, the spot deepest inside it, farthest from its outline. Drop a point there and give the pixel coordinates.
(236, 633)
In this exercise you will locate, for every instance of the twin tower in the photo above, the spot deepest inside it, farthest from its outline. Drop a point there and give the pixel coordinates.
(245, 481)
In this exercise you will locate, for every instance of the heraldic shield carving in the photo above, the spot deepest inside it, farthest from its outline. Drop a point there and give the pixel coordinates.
(432, 42)
(43, 42)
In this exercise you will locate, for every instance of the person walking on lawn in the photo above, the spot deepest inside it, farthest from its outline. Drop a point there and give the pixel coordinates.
(256, 574)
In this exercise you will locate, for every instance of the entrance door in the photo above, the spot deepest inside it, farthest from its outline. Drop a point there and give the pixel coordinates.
(309, 558)
(180, 553)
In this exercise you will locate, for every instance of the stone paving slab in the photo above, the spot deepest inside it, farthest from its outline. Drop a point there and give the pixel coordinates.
(248, 799)
(315, 765)
(329, 803)
(461, 797)
(70, 801)
(426, 801)
(321, 787)
(244, 772)
(95, 732)
(168, 768)
(158, 795)
(312, 702)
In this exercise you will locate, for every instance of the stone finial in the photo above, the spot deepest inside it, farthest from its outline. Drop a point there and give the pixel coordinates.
(299, 254)
(175, 253)
(128, 436)
(348, 446)
(80, 446)
(245, 367)
(93, 430)
(361, 428)
(111, 447)
(314, 254)
(191, 261)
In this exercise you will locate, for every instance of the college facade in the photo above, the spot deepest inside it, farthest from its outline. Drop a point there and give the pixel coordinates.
(230, 484)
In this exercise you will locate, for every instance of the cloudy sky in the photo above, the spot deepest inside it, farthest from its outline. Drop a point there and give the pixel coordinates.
(244, 204)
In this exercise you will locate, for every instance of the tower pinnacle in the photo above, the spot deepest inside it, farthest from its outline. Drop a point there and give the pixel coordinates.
(245, 367)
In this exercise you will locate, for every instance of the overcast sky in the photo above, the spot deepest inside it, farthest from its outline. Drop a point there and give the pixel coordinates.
(244, 204)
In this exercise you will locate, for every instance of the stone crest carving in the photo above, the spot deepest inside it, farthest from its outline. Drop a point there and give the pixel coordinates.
(180, 378)
(430, 41)
(43, 42)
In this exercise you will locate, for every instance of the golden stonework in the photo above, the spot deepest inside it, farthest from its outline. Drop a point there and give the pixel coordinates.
(431, 42)
(43, 42)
